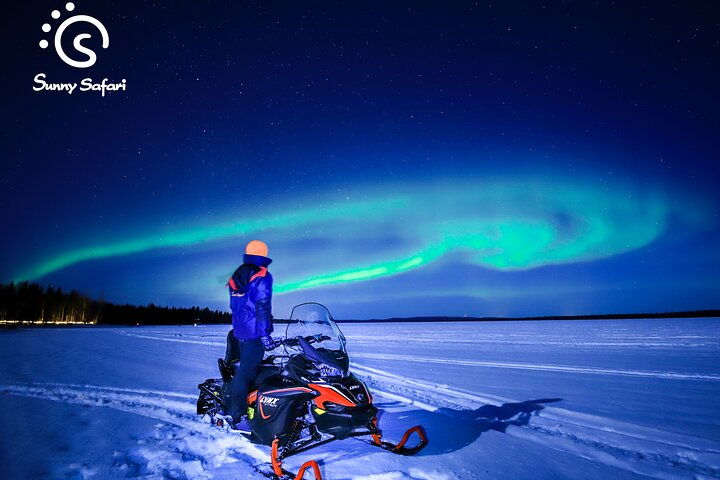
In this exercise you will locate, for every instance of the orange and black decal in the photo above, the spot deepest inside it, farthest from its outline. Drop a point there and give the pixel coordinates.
(328, 393)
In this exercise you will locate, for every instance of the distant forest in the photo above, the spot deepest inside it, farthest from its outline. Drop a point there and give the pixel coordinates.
(32, 303)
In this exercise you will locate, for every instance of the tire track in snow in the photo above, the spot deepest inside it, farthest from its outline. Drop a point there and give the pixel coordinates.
(165, 338)
(641, 450)
(547, 368)
(169, 449)
(122, 390)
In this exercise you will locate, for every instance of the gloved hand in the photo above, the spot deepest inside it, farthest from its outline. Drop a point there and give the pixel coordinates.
(268, 342)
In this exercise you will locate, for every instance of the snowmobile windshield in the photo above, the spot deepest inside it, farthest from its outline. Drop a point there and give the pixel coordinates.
(313, 331)
(314, 320)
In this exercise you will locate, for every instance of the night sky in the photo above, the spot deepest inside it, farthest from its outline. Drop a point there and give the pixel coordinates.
(399, 158)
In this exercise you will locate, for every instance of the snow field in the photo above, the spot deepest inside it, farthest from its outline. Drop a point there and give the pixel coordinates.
(498, 400)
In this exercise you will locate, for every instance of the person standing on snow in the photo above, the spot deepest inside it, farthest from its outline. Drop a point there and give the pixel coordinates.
(250, 290)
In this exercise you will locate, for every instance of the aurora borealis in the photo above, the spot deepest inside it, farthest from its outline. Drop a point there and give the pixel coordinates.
(505, 226)
(475, 165)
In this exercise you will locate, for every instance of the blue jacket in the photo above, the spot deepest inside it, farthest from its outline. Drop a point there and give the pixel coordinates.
(250, 290)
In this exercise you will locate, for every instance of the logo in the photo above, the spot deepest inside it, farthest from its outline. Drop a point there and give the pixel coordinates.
(103, 86)
(269, 401)
(77, 41)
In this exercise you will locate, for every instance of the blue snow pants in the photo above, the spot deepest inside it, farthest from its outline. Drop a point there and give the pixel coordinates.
(251, 353)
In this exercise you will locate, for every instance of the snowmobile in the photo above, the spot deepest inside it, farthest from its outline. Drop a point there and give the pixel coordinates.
(304, 395)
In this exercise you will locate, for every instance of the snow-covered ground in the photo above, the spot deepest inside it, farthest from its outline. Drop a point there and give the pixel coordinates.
(571, 399)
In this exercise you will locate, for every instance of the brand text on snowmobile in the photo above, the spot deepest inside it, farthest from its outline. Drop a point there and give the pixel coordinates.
(269, 401)
(86, 85)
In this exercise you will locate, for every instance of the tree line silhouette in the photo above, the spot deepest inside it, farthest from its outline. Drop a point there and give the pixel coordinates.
(32, 303)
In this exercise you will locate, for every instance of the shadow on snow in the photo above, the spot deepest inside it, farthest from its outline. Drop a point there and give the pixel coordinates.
(449, 430)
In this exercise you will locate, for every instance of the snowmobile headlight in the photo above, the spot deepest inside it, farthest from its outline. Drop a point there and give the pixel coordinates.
(328, 370)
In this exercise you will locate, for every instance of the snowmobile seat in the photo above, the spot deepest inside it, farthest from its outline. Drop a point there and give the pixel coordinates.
(264, 372)
(227, 370)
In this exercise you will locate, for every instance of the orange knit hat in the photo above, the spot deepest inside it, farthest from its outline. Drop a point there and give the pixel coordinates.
(256, 247)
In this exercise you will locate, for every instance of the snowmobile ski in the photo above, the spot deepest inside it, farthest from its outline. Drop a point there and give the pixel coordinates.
(282, 474)
(400, 448)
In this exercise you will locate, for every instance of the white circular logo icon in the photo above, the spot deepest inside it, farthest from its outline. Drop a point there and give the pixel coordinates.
(77, 41)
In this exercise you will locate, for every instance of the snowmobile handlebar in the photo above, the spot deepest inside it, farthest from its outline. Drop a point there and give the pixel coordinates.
(295, 341)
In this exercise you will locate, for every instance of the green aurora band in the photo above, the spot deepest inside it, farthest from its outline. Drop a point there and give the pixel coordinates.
(498, 224)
